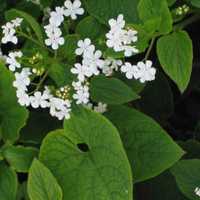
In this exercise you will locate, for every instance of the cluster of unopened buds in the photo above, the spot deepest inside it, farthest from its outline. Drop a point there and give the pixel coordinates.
(182, 10)
(92, 64)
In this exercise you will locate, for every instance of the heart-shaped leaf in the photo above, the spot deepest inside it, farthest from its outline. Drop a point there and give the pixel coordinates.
(150, 149)
(88, 159)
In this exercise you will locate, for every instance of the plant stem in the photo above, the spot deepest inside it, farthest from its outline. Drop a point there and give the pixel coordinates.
(149, 49)
(40, 83)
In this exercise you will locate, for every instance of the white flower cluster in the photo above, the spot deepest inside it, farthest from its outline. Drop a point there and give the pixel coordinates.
(197, 191)
(12, 61)
(121, 39)
(9, 31)
(53, 30)
(143, 71)
(91, 65)
(58, 107)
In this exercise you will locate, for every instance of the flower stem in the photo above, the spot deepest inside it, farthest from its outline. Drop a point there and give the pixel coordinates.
(149, 49)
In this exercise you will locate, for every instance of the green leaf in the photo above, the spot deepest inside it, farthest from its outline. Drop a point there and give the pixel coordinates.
(19, 157)
(175, 54)
(150, 149)
(12, 116)
(156, 10)
(13, 13)
(60, 73)
(8, 183)
(171, 2)
(89, 27)
(106, 9)
(195, 3)
(68, 49)
(42, 185)
(146, 32)
(111, 91)
(186, 173)
(88, 159)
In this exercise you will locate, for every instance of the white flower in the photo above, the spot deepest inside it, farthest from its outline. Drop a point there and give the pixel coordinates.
(11, 60)
(17, 22)
(56, 17)
(60, 108)
(55, 40)
(146, 71)
(130, 36)
(117, 24)
(39, 100)
(52, 30)
(23, 98)
(82, 95)
(22, 79)
(93, 61)
(73, 9)
(9, 35)
(84, 46)
(9, 31)
(111, 65)
(82, 71)
(131, 71)
(121, 39)
(114, 40)
(130, 50)
(100, 108)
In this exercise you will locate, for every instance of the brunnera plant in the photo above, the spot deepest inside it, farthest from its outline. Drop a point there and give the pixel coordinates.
(73, 79)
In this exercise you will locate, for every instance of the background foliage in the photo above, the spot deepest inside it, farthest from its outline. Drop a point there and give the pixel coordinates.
(146, 146)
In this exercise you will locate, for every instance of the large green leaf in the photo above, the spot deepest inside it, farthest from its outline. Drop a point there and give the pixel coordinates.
(12, 115)
(88, 159)
(156, 9)
(186, 173)
(111, 91)
(29, 19)
(103, 10)
(175, 54)
(8, 183)
(89, 27)
(150, 149)
(19, 157)
(42, 185)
